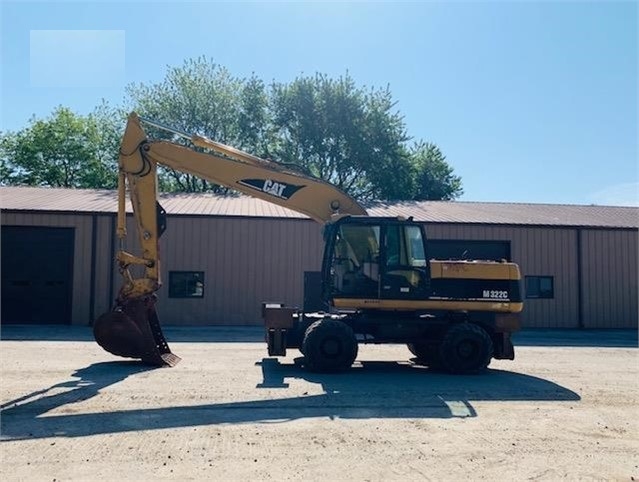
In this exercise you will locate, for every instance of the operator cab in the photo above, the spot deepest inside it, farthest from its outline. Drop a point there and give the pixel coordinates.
(375, 258)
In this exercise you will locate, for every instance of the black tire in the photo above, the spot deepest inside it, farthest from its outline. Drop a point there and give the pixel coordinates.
(425, 353)
(329, 346)
(466, 349)
(305, 325)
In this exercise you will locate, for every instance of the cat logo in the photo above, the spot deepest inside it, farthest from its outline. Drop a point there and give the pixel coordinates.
(274, 188)
(280, 190)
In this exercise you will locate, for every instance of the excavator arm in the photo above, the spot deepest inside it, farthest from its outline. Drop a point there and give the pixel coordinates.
(132, 328)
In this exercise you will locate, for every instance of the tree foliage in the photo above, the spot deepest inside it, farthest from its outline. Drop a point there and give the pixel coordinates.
(351, 136)
(63, 150)
(201, 97)
(342, 133)
(434, 178)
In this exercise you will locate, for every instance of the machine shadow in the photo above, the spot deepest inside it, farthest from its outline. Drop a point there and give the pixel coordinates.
(368, 390)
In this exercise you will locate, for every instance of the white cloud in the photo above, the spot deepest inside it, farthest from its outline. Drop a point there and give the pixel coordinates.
(624, 194)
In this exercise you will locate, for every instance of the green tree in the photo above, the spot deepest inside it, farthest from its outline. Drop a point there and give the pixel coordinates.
(345, 134)
(434, 178)
(255, 127)
(351, 136)
(200, 97)
(63, 150)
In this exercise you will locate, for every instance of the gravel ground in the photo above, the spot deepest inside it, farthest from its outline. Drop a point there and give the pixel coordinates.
(568, 410)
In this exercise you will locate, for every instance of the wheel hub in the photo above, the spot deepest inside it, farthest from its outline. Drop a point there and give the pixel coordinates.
(467, 349)
(331, 347)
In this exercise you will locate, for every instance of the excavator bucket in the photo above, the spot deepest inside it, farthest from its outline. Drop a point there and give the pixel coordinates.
(132, 330)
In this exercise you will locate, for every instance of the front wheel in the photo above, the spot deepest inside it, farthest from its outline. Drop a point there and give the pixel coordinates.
(329, 346)
(466, 349)
(425, 353)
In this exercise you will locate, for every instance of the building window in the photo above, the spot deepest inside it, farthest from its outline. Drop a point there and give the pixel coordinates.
(540, 287)
(186, 284)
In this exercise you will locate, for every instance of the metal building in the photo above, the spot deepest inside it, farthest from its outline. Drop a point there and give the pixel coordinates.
(223, 256)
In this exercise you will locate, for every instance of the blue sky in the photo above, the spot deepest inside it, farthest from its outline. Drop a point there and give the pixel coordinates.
(529, 101)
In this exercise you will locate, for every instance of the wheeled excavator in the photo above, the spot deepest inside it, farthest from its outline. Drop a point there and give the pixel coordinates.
(378, 281)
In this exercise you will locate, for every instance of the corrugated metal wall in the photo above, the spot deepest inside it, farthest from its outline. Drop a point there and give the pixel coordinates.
(105, 270)
(250, 260)
(246, 261)
(609, 278)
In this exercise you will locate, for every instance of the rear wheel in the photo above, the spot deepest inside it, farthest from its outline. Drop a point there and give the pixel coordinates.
(329, 346)
(466, 349)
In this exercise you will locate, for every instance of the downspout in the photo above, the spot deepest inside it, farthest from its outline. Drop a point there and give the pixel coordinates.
(580, 307)
(112, 257)
(94, 242)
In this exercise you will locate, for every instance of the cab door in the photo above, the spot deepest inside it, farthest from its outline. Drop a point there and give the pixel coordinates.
(405, 271)
(351, 260)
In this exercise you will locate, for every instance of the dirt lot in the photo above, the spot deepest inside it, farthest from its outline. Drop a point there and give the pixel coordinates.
(72, 411)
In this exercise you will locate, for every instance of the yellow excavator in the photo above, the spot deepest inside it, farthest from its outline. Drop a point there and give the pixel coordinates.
(377, 278)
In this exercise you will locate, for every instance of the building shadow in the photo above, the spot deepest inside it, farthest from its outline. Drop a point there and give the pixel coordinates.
(619, 338)
(368, 390)
(596, 338)
(174, 334)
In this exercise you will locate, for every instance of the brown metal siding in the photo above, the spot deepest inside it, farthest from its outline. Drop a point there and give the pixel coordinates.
(246, 261)
(82, 254)
(609, 277)
(539, 252)
(103, 266)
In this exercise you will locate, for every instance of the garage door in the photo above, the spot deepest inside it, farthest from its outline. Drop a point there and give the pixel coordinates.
(37, 274)
(468, 249)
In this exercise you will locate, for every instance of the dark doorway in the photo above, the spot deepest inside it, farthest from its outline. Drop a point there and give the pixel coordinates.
(458, 249)
(37, 274)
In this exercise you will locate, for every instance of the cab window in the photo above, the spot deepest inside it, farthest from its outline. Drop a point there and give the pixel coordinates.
(405, 246)
(415, 245)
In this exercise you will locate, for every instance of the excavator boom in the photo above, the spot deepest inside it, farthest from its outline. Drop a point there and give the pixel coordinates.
(132, 328)
(230, 167)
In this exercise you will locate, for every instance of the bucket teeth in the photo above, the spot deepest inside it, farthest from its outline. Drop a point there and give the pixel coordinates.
(133, 330)
(170, 359)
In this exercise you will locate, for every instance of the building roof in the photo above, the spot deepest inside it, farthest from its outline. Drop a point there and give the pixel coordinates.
(513, 213)
(102, 201)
